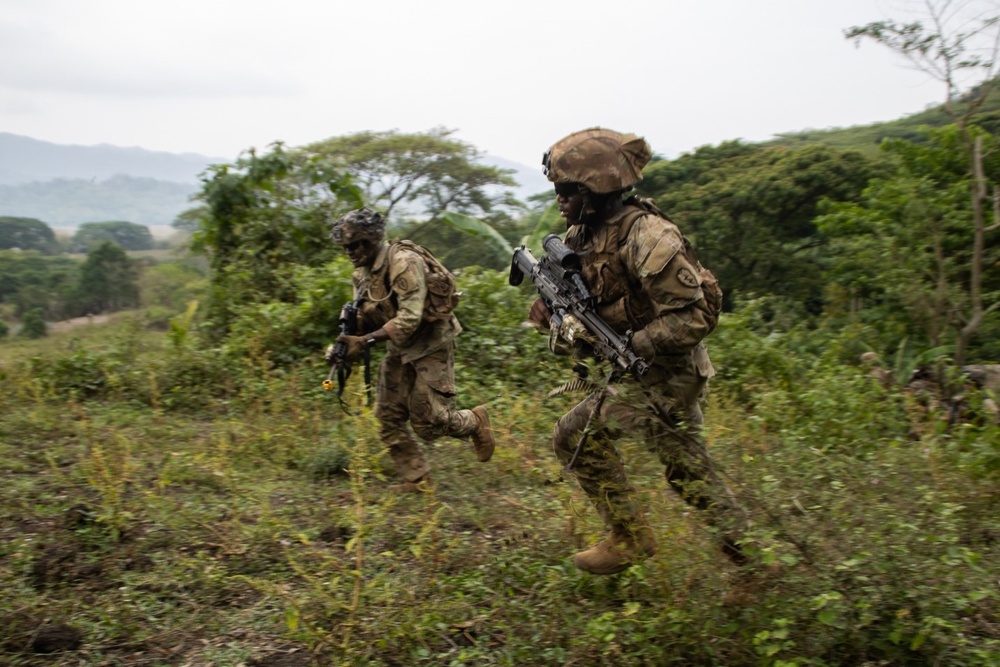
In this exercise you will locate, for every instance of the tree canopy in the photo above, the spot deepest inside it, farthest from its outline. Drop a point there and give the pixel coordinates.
(420, 175)
(263, 217)
(128, 235)
(29, 280)
(27, 234)
(749, 210)
(108, 280)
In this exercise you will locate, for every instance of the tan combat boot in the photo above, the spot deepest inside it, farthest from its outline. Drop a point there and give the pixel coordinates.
(482, 437)
(625, 546)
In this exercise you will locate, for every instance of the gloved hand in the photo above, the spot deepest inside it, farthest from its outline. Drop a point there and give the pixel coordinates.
(355, 346)
(572, 329)
(570, 338)
(328, 353)
(539, 314)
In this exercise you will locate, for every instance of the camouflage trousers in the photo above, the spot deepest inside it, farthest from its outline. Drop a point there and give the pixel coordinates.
(421, 394)
(666, 417)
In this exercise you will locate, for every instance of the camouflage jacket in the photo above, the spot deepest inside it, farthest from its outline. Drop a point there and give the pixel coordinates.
(395, 296)
(645, 283)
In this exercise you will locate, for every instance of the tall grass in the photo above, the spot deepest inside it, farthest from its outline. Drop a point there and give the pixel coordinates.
(180, 506)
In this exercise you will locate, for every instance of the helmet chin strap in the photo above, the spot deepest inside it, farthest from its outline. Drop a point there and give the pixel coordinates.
(587, 207)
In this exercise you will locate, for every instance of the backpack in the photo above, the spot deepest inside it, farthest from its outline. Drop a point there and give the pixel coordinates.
(712, 303)
(442, 296)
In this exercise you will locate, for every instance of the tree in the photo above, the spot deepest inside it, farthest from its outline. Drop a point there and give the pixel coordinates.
(33, 325)
(128, 235)
(749, 211)
(27, 234)
(959, 47)
(108, 280)
(902, 252)
(261, 218)
(420, 175)
(30, 280)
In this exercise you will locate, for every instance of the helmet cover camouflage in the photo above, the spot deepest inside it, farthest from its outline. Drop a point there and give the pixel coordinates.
(362, 223)
(602, 160)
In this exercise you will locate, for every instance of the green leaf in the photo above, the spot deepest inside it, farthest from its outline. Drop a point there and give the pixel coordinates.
(476, 227)
(546, 223)
(827, 617)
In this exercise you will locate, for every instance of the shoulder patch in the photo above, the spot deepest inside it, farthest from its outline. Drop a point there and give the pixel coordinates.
(401, 284)
(687, 278)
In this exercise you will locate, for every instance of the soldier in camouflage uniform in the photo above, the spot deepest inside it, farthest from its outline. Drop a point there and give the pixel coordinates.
(645, 279)
(416, 382)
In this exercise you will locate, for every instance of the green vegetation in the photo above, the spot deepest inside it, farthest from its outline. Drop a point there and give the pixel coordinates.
(422, 174)
(34, 324)
(179, 490)
(27, 234)
(30, 280)
(749, 209)
(170, 504)
(127, 235)
(108, 280)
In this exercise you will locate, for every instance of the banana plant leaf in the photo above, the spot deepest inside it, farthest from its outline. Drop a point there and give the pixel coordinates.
(476, 227)
(549, 222)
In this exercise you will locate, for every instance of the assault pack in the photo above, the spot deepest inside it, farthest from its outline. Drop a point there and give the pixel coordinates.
(442, 295)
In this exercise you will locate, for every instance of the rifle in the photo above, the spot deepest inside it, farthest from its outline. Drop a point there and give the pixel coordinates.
(348, 327)
(558, 281)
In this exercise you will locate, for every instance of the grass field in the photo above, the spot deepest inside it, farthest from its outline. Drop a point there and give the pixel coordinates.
(255, 529)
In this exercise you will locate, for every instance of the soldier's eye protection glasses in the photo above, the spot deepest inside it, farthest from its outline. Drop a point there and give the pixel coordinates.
(567, 189)
(354, 245)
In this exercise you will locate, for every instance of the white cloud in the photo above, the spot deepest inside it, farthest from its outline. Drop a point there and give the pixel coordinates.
(219, 76)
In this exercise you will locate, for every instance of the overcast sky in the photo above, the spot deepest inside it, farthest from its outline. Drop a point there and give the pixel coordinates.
(219, 76)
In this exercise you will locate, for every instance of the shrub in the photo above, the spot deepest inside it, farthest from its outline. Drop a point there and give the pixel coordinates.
(34, 324)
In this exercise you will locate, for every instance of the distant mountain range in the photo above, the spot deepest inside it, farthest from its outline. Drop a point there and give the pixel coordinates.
(25, 160)
(67, 185)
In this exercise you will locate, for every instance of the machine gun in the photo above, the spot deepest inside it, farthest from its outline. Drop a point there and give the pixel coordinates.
(338, 363)
(559, 283)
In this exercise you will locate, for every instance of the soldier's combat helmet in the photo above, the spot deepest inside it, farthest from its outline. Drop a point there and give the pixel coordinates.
(602, 160)
(362, 223)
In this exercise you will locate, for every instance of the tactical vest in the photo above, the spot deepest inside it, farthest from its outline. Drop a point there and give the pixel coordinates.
(619, 300)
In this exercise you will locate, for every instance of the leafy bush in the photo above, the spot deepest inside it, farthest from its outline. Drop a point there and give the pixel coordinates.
(497, 354)
(33, 325)
(288, 331)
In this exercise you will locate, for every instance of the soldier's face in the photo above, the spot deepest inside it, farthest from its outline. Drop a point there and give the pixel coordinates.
(570, 201)
(361, 251)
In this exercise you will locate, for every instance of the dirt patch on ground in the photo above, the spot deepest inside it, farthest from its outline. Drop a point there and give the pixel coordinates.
(70, 324)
